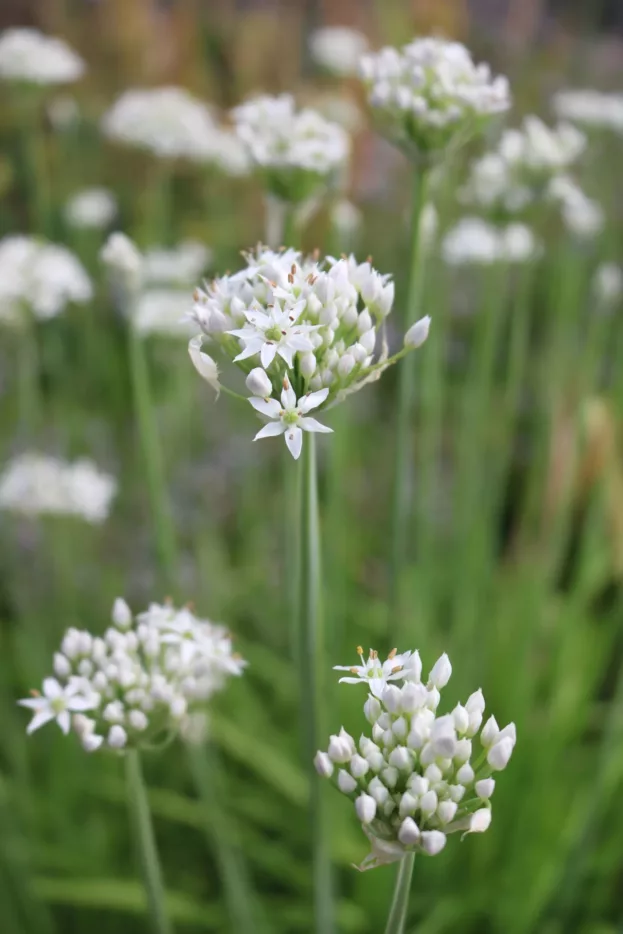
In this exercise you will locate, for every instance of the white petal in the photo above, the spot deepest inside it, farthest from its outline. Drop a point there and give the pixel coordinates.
(271, 430)
(268, 407)
(83, 703)
(203, 363)
(249, 351)
(288, 397)
(245, 334)
(41, 717)
(64, 721)
(267, 354)
(295, 312)
(310, 424)
(33, 703)
(312, 400)
(51, 688)
(300, 342)
(294, 441)
(258, 318)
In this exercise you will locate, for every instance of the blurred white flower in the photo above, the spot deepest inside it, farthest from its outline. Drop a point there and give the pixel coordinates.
(591, 108)
(474, 241)
(338, 49)
(297, 151)
(41, 276)
(179, 265)
(28, 55)
(63, 111)
(124, 263)
(289, 416)
(142, 683)
(430, 94)
(346, 219)
(37, 484)
(230, 154)
(608, 283)
(93, 208)
(582, 216)
(413, 783)
(161, 311)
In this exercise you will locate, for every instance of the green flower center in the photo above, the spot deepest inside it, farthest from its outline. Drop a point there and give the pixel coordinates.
(273, 334)
(290, 417)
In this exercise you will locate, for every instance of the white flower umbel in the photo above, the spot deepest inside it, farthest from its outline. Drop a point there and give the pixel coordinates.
(36, 484)
(581, 215)
(591, 108)
(157, 311)
(179, 265)
(297, 152)
(473, 241)
(607, 284)
(29, 56)
(312, 326)
(141, 683)
(338, 49)
(43, 277)
(93, 208)
(421, 775)
(430, 94)
(124, 264)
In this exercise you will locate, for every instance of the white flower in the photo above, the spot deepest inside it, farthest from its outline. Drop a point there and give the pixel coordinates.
(337, 49)
(581, 215)
(30, 56)
(57, 703)
(289, 417)
(274, 332)
(608, 283)
(346, 218)
(92, 208)
(591, 108)
(35, 484)
(417, 333)
(474, 241)
(203, 363)
(160, 311)
(375, 673)
(42, 276)
(258, 383)
(181, 265)
(430, 93)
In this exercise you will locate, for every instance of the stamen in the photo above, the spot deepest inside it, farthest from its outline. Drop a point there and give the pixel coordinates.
(392, 654)
(354, 671)
(359, 650)
(396, 669)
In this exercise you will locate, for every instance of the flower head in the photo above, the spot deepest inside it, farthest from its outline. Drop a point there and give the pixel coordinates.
(143, 682)
(475, 241)
(93, 208)
(413, 782)
(337, 49)
(29, 56)
(41, 276)
(180, 265)
(430, 94)
(591, 108)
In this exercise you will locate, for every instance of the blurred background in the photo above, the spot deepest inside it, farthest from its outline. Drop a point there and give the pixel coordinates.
(516, 552)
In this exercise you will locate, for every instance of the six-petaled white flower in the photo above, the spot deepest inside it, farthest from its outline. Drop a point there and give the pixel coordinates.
(58, 702)
(290, 417)
(374, 672)
(273, 332)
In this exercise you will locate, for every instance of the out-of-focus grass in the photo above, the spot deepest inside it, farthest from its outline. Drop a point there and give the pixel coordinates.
(515, 570)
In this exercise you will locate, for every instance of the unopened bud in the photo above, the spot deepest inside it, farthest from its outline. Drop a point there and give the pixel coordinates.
(364, 321)
(490, 733)
(417, 333)
(372, 709)
(408, 804)
(365, 806)
(368, 340)
(485, 788)
(409, 834)
(117, 737)
(345, 782)
(401, 758)
(465, 774)
(323, 764)
(346, 364)
(446, 811)
(433, 842)
(428, 803)
(480, 821)
(258, 383)
(359, 766)
(499, 755)
(440, 672)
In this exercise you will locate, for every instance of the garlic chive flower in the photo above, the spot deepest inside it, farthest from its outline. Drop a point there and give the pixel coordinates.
(430, 95)
(307, 333)
(40, 276)
(421, 775)
(296, 152)
(591, 108)
(146, 680)
(30, 57)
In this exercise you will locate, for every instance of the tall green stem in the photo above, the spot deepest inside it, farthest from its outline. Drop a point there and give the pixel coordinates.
(152, 454)
(34, 161)
(401, 512)
(146, 843)
(310, 659)
(400, 901)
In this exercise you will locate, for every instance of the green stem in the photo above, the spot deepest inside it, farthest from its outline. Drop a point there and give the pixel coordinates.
(310, 656)
(152, 454)
(400, 901)
(146, 843)
(406, 386)
(35, 161)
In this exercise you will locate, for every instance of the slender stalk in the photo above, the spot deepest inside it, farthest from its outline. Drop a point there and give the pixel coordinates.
(34, 161)
(152, 454)
(403, 458)
(400, 901)
(310, 655)
(146, 843)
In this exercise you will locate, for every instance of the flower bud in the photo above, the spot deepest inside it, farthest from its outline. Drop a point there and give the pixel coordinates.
(485, 788)
(390, 776)
(379, 792)
(345, 782)
(413, 696)
(433, 773)
(391, 698)
(328, 336)
(412, 669)
(440, 672)
(475, 721)
(409, 833)
(137, 720)
(408, 804)
(401, 758)
(433, 842)
(323, 764)
(117, 737)
(204, 364)
(258, 383)
(428, 802)
(475, 702)
(465, 774)
(446, 811)
(509, 732)
(365, 806)
(388, 740)
(443, 737)
(359, 352)
(346, 365)
(417, 333)
(349, 316)
(432, 698)
(427, 755)
(364, 321)
(91, 741)
(463, 751)
(368, 340)
(418, 784)
(307, 364)
(62, 666)
(399, 728)
(315, 383)
(456, 792)
(490, 733)
(499, 755)
(372, 709)
(359, 766)
(460, 716)
(480, 821)
(121, 614)
(376, 760)
(339, 749)
(327, 377)
(377, 733)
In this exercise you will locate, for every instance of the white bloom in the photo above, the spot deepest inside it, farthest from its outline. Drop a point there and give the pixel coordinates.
(35, 484)
(345, 782)
(365, 805)
(430, 93)
(93, 208)
(323, 764)
(591, 108)
(290, 417)
(117, 737)
(274, 332)
(433, 842)
(182, 265)
(485, 788)
(124, 262)
(474, 241)
(258, 383)
(608, 283)
(30, 56)
(338, 49)
(480, 821)
(42, 276)
(375, 673)
(581, 215)
(161, 312)
(57, 702)
(440, 672)
(499, 755)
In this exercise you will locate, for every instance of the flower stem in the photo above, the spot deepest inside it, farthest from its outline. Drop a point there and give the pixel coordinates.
(152, 453)
(146, 843)
(401, 513)
(34, 161)
(310, 655)
(400, 901)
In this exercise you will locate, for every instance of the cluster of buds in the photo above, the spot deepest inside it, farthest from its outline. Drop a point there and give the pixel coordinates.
(297, 152)
(418, 778)
(430, 95)
(146, 680)
(305, 333)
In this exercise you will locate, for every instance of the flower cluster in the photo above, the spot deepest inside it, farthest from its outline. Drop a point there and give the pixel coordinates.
(418, 778)
(91, 209)
(516, 173)
(29, 56)
(430, 94)
(608, 284)
(179, 265)
(312, 326)
(338, 49)
(36, 484)
(473, 241)
(581, 215)
(41, 276)
(146, 680)
(591, 108)
(297, 152)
